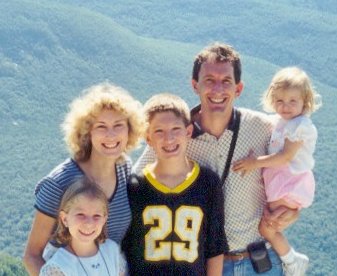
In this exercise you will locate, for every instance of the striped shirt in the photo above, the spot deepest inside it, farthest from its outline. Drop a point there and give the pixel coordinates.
(244, 196)
(50, 189)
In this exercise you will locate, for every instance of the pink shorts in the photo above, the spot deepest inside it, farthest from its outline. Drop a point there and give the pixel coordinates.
(298, 189)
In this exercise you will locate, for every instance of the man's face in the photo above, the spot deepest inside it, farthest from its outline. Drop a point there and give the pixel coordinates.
(216, 87)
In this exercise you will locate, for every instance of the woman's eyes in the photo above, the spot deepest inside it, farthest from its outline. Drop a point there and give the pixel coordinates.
(116, 126)
(100, 126)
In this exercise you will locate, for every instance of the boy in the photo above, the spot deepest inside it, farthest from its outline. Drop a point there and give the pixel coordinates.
(177, 206)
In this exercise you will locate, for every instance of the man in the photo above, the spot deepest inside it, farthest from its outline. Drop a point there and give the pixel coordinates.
(222, 134)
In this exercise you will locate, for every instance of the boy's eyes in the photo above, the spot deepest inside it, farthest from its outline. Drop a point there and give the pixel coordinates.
(177, 128)
(161, 130)
(119, 125)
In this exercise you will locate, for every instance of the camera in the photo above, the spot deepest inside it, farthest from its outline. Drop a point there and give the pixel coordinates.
(259, 256)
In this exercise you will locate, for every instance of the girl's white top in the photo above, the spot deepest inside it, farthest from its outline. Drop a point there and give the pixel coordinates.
(65, 263)
(300, 128)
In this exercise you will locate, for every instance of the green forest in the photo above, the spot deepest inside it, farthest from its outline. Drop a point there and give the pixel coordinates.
(51, 50)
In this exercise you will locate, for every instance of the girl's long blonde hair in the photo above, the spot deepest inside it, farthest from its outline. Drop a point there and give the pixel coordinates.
(81, 187)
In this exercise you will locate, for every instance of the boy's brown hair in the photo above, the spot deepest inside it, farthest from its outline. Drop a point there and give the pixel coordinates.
(166, 102)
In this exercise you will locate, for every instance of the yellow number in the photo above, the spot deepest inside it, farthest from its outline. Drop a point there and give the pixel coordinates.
(163, 216)
(187, 228)
(188, 220)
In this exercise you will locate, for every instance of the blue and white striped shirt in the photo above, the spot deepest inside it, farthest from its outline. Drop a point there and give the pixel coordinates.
(50, 189)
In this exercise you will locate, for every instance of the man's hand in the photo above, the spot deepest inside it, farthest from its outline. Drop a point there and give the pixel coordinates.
(281, 218)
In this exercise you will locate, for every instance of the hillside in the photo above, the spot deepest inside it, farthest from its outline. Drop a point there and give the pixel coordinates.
(51, 50)
(282, 32)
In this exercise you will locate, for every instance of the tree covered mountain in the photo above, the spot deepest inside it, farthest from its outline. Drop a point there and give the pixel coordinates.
(51, 50)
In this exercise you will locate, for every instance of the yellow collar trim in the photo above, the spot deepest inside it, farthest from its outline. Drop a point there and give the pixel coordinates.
(191, 177)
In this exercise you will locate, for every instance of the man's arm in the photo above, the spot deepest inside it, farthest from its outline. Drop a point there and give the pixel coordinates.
(39, 236)
(214, 265)
(281, 218)
(216, 241)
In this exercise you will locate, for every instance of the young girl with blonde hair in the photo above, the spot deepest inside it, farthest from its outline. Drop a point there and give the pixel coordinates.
(81, 230)
(287, 173)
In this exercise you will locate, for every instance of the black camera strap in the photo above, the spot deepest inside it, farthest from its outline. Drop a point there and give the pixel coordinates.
(237, 119)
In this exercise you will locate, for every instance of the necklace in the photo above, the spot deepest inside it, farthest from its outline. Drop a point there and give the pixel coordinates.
(94, 266)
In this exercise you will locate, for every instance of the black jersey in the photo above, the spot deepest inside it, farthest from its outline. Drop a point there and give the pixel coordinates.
(174, 231)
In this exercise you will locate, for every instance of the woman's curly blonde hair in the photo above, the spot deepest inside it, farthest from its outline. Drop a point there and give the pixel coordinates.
(84, 109)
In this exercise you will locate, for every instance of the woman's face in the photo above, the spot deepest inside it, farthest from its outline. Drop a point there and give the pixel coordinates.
(109, 134)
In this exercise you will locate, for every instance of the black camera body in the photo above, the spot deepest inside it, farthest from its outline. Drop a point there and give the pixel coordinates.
(259, 256)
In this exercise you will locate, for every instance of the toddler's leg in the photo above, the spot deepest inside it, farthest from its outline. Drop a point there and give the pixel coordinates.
(295, 263)
(276, 239)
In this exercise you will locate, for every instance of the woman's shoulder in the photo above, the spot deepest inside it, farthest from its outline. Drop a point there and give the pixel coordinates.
(63, 174)
(66, 169)
(125, 163)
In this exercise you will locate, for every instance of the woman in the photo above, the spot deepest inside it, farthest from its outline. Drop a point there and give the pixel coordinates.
(100, 127)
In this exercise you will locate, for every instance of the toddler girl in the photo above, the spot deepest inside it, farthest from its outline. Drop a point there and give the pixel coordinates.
(287, 172)
(81, 230)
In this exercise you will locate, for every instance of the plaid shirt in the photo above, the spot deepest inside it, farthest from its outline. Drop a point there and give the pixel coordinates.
(244, 196)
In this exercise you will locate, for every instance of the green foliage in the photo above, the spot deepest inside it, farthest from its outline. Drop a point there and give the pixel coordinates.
(10, 266)
(51, 50)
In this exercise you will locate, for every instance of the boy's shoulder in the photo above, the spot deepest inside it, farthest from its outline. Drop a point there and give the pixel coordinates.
(209, 175)
(135, 182)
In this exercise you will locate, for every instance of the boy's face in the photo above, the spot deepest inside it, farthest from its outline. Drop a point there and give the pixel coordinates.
(168, 135)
